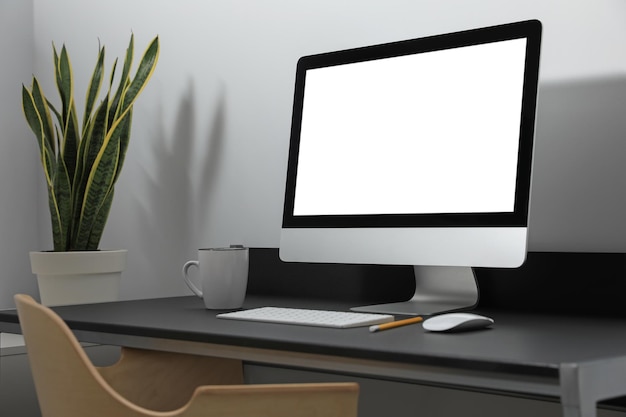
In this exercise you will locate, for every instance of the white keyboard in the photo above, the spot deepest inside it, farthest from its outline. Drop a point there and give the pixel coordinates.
(305, 317)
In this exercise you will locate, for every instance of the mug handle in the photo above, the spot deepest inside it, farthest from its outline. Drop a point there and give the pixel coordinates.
(190, 284)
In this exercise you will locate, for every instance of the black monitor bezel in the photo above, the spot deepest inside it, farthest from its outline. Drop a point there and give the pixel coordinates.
(530, 29)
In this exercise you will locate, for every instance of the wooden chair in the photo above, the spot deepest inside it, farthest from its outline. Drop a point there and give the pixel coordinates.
(158, 384)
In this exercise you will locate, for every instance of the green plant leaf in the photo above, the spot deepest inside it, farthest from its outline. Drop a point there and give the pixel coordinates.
(58, 115)
(94, 88)
(41, 104)
(124, 140)
(70, 142)
(98, 186)
(57, 74)
(33, 118)
(59, 196)
(59, 238)
(59, 135)
(65, 83)
(100, 221)
(144, 72)
(112, 74)
(123, 120)
(35, 122)
(124, 80)
(69, 126)
(91, 146)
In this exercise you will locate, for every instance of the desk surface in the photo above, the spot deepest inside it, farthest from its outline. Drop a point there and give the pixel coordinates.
(519, 345)
(535, 344)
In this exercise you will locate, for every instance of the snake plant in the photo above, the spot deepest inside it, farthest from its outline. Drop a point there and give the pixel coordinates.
(82, 162)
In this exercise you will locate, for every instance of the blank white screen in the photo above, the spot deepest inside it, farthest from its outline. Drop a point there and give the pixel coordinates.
(436, 132)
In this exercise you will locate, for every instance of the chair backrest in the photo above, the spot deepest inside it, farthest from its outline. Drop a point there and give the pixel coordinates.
(66, 381)
(69, 385)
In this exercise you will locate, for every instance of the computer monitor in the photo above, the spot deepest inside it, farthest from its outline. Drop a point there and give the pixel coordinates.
(416, 152)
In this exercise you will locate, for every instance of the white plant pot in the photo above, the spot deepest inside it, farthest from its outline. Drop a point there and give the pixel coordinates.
(79, 277)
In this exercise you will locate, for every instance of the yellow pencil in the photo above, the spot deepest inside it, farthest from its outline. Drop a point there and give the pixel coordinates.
(393, 324)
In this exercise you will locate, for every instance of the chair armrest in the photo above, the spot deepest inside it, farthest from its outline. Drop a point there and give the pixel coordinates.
(163, 381)
(275, 400)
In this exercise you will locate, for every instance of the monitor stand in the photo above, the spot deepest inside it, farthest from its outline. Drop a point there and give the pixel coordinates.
(438, 289)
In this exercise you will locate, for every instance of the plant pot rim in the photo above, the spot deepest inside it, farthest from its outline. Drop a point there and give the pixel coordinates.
(98, 261)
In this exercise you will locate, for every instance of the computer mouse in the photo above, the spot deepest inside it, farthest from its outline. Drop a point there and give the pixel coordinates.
(456, 322)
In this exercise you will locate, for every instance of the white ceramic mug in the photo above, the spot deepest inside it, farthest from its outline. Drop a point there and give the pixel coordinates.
(223, 273)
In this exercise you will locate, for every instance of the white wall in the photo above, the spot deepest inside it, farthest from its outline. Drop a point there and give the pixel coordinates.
(208, 153)
(18, 161)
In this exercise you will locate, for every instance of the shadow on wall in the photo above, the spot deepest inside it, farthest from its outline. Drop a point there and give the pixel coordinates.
(579, 180)
(172, 205)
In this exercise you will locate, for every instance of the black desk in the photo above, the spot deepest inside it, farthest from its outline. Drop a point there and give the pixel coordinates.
(579, 360)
